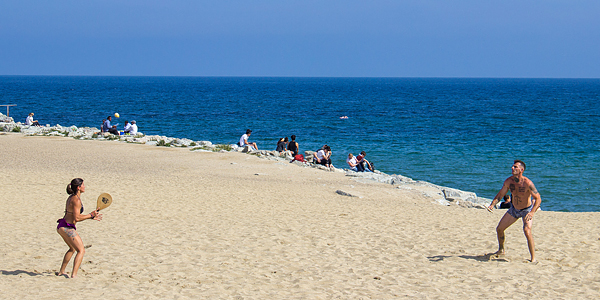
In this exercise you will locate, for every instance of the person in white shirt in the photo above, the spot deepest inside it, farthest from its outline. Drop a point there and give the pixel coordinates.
(244, 140)
(133, 129)
(351, 161)
(30, 121)
(323, 156)
(127, 127)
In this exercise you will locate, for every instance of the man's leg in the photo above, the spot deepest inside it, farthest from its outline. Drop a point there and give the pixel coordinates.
(360, 167)
(504, 223)
(527, 225)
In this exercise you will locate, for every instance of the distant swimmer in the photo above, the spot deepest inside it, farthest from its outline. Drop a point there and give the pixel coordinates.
(344, 117)
(521, 206)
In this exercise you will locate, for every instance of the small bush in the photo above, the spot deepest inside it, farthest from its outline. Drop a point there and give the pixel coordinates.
(162, 143)
(192, 144)
(95, 136)
(16, 129)
(202, 148)
(222, 147)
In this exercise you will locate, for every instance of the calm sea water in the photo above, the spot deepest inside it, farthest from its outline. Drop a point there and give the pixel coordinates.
(461, 133)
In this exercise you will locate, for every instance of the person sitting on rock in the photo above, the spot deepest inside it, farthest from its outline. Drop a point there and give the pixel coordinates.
(282, 144)
(244, 141)
(293, 146)
(30, 121)
(363, 163)
(352, 163)
(106, 127)
(127, 127)
(133, 129)
(323, 156)
(506, 202)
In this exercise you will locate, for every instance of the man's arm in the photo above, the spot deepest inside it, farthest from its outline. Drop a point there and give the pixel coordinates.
(499, 196)
(538, 201)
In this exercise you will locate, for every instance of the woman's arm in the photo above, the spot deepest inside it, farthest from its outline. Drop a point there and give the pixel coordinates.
(79, 217)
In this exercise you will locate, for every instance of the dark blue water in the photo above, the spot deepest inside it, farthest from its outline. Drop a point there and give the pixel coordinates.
(461, 133)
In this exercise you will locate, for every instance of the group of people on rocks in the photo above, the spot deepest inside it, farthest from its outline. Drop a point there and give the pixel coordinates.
(359, 163)
(284, 144)
(129, 128)
(321, 156)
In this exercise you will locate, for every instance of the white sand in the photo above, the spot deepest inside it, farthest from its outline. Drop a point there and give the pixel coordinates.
(203, 225)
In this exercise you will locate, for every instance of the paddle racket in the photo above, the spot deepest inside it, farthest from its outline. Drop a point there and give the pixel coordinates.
(104, 201)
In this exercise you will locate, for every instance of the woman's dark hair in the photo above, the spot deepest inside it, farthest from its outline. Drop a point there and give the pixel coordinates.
(293, 137)
(74, 185)
(285, 139)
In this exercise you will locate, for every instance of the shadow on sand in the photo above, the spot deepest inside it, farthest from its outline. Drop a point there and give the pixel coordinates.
(19, 272)
(483, 258)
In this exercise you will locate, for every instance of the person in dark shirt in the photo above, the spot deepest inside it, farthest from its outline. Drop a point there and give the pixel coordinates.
(293, 146)
(282, 144)
(107, 127)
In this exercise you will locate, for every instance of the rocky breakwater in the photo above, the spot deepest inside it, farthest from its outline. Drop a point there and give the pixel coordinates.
(92, 133)
(5, 119)
(439, 194)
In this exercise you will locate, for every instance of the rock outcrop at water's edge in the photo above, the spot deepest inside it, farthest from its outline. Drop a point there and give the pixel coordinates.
(439, 194)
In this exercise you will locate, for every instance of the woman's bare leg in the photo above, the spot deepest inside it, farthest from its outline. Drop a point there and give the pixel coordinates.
(65, 233)
(79, 256)
(75, 243)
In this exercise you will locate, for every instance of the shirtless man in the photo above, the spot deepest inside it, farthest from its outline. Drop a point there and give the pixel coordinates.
(522, 206)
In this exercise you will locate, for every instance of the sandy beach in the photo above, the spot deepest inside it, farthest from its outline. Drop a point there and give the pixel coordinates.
(229, 225)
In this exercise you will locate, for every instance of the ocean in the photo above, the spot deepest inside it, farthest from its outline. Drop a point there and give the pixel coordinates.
(457, 132)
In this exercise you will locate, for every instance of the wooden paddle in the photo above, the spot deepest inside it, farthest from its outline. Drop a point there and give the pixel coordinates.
(104, 201)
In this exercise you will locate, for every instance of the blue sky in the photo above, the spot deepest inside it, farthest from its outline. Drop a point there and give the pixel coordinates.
(552, 38)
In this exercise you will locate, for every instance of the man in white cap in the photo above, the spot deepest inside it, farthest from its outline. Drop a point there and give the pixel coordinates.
(133, 129)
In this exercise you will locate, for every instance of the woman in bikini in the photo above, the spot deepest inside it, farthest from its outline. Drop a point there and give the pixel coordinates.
(66, 226)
